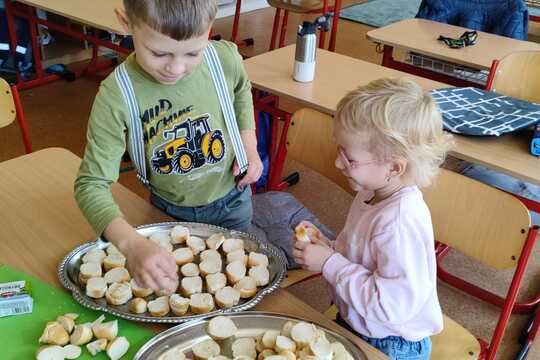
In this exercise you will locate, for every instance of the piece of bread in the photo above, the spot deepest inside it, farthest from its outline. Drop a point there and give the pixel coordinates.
(175, 353)
(283, 343)
(303, 233)
(94, 255)
(117, 348)
(221, 328)
(237, 255)
(190, 269)
(247, 287)
(196, 244)
(260, 274)
(113, 261)
(244, 347)
(54, 334)
(111, 250)
(106, 330)
(67, 322)
(118, 293)
(117, 275)
(89, 270)
(139, 291)
(235, 271)
(267, 353)
(257, 259)
(96, 346)
(302, 333)
(159, 307)
(206, 349)
(162, 239)
(320, 347)
(82, 334)
(179, 234)
(340, 352)
(269, 338)
(96, 287)
(210, 266)
(178, 304)
(138, 305)
(232, 244)
(227, 297)
(287, 327)
(214, 282)
(215, 241)
(201, 303)
(191, 285)
(183, 256)
(209, 254)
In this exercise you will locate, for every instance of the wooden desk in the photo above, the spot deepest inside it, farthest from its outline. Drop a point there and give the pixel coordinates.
(95, 13)
(337, 74)
(420, 36)
(41, 220)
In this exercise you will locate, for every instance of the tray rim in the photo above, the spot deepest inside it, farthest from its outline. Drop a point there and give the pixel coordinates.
(76, 291)
(183, 326)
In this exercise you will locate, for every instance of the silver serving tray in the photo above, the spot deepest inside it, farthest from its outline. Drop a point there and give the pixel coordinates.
(68, 272)
(250, 324)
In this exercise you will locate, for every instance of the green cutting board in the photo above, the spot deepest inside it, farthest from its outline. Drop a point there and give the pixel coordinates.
(19, 334)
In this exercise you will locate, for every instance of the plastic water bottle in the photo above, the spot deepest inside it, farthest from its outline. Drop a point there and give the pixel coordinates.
(306, 48)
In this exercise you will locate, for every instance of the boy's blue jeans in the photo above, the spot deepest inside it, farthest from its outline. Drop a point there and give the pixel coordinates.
(395, 347)
(233, 211)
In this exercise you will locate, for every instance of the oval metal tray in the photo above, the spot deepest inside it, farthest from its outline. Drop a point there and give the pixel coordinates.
(249, 324)
(68, 272)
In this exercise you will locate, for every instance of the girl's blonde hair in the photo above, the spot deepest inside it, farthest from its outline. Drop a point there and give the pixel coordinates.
(400, 119)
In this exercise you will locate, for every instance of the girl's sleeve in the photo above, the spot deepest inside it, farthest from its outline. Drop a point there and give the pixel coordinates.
(401, 283)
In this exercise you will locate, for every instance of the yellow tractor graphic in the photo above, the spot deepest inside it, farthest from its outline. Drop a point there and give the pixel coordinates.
(193, 144)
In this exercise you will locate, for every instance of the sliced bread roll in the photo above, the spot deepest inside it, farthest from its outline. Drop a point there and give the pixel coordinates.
(232, 244)
(210, 266)
(111, 250)
(320, 347)
(206, 349)
(106, 330)
(214, 282)
(96, 287)
(118, 293)
(340, 352)
(178, 304)
(227, 297)
(190, 269)
(247, 287)
(235, 271)
(237, 255)
(179, 234)
(196, 244)
(89, 270)
(221, 328)
(175, 353)
(183, 256)
(159, 307)
(201, 303)
(244, 347)
(209, 254)
(117, 275)
(303, 332)
(257, 259)
(139, 291)
(283, 343)
(94, 255)
(162, 239)
(269, 338)
(215, 241)
(113, 261)
(260, 274)
(117, 348)
(191, 285)
(138, 305)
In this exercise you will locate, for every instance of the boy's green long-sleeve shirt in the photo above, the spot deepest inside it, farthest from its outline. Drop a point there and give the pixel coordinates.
(189, 153)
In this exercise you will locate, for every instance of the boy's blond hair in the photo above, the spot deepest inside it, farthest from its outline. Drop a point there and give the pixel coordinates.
(400, 120)
(178, 19)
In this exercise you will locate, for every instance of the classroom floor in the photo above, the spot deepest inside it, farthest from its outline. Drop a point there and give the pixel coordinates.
(57, 117)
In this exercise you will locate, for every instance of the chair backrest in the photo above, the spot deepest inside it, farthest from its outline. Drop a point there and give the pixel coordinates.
(478, 220)
(310, 140)
(517, 75)
(7, 107)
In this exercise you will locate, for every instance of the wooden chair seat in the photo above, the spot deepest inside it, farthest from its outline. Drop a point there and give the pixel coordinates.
(454, 343)
(7, 107)
(297, 6)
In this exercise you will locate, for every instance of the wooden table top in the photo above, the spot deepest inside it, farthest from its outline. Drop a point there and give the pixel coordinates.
(337, 74)
(420, 35)
(41, 223)
(96, 13)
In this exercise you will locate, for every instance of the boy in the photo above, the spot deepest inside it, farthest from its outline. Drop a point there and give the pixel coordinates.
(165, 96)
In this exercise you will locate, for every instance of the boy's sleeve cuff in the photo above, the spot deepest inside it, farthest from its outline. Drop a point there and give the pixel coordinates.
(332, 266)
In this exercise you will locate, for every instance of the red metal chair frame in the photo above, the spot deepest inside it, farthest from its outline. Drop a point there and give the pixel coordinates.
(21, 119)
(333, 32)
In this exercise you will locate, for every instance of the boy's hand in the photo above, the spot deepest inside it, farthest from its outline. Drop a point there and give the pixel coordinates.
(255, 168)
(311, 256)
(151, 266)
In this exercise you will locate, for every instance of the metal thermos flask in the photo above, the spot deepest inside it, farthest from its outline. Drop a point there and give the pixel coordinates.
(304, 58)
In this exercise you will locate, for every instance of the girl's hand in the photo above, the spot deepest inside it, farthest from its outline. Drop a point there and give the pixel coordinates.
(311, 256)
(152, 266)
